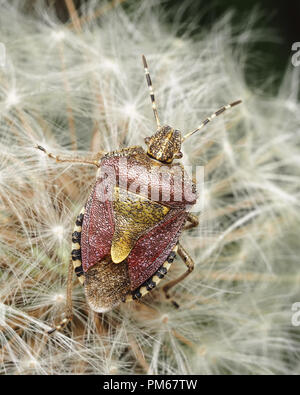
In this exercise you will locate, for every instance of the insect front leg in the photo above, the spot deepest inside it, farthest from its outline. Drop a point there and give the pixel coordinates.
(190, 267)
(88, 161)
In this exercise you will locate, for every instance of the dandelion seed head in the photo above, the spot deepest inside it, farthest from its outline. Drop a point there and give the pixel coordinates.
(2, 314)
(29, 363)
(12, 98)
(58, 231)
(173, 80)
(130, 110)
(228, 150)
(113, 369)
(206, 197)
(58, 35)
(109, 64)
(291, 105)
(59, 298)
(178, 43)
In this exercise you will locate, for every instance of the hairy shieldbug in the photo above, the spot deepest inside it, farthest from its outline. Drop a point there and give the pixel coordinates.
(125, 238)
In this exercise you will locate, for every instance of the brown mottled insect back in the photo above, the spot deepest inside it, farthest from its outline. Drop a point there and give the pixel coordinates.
(127, 235)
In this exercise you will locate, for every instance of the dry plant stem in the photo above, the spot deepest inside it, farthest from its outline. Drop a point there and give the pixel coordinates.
(207, 142)
(76, 23)
(26, 125)
(68, 99)
(222, 276)
(246, 204)
(184, 339)
(69, 311)
(213, 164)
(138, 354)
(98, 322)
(22, 116)
(147, 312)
(69, 305)
(98, 13)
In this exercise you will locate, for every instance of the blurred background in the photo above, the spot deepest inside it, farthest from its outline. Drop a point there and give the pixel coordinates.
(281, 18)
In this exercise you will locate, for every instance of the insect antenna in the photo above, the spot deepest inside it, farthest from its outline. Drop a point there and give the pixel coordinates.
(149, 82)
(210, 118)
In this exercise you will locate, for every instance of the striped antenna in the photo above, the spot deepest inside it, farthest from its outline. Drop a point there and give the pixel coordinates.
(149, 82)
(208, 119)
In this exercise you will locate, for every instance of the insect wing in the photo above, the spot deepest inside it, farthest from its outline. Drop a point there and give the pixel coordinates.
(153, 248)
(97, 228)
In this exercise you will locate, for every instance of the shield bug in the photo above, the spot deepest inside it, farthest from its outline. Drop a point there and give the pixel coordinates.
(127, 235)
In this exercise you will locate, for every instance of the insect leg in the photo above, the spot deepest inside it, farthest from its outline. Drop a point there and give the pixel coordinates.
(71, 160)
(75, 265)
(190, 267)
(68, 308)
(194, 221)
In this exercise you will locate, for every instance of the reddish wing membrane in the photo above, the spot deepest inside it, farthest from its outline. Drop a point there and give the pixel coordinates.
(97, 229)
(153, 248)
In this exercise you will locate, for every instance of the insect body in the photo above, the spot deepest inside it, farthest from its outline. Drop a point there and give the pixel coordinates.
(127, 234)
